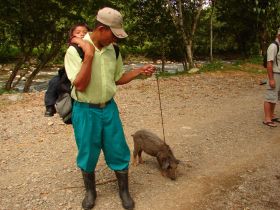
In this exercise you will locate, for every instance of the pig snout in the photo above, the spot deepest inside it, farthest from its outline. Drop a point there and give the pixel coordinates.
(172, 174)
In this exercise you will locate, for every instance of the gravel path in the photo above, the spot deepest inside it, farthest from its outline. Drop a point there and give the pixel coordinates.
(213, 123)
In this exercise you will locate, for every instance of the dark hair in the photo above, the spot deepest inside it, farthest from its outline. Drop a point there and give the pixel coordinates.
(72, 29)
(97, 24)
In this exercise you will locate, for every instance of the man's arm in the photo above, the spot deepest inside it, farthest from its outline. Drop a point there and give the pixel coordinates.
(147, 70)
(80, 42)
(83, 77)
(270, 74)
(271, 54)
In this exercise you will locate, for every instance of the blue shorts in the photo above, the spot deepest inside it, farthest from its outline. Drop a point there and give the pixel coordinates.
(96, 129)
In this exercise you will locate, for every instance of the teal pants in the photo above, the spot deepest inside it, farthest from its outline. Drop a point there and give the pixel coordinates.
(96, 129)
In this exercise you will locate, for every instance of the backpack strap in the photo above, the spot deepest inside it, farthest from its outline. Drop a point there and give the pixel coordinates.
(276, 43)
(79, 50)
(117, 50)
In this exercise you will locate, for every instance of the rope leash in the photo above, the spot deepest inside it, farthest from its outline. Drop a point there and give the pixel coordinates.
(159, 98)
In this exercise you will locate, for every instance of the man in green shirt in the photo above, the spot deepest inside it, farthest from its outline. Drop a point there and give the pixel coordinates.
(95, 115)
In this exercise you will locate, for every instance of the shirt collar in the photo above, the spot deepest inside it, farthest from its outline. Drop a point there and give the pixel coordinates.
(87, 38)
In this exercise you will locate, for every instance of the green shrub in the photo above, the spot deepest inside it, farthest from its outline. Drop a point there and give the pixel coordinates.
(2, 91)
(216, 65)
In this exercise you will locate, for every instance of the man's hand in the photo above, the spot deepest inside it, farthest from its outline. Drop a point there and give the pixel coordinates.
(85, 45)
(148, 70)
(84, 76)
(272, 83)
(88, 48)
(271, 80)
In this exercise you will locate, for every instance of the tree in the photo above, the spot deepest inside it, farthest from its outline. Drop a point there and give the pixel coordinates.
(211, 29)
(239, 30)
(38, 31)
(185, 16)
(150, 27)
(267, 15)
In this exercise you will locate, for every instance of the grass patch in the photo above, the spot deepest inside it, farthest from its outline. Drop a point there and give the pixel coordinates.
(216, 65)
(3, 91)
(251, 65)
(255, 60)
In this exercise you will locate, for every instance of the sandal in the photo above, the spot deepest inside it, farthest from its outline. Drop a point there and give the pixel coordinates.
(270, 124)
(276, 120)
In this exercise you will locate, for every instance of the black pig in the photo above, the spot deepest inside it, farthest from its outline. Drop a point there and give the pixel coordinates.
(151, 144)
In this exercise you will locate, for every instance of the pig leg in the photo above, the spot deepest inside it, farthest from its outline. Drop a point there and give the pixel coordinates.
(135, 152)
(140, 157)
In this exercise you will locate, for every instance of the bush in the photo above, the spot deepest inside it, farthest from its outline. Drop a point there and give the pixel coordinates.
(8, 53)
(213, 66)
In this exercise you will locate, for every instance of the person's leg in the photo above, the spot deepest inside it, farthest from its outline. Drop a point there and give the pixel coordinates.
(268, 111)
(115, 148)
(276, 96)
(272, 105)
(50, 111)
(87, 129)
(51, 96)
(274, 118)
(90, 196)
(116, 152)
(127, 201)
(271, 97)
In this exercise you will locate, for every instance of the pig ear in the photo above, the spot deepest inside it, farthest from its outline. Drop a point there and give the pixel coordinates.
(165, 164)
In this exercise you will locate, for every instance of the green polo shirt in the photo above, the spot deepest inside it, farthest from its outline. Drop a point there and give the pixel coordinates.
(105, 71)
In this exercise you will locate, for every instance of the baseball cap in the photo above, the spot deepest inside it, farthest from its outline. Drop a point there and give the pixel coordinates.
(113, 19)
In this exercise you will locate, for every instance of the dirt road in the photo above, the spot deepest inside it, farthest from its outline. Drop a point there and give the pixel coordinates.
(213, 123)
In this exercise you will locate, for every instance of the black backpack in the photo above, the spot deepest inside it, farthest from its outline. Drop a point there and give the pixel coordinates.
(64, 82)
(64, 96)
(265, 55)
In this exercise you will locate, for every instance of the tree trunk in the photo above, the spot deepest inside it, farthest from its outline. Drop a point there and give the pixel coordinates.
(9, 82)
(189, 55)
(162, 56)
(185, 63)
(263, 41)
(178, 20)
(53, 52)
(25, 54)
(187, 39)
(211, 30)
(18, 80)
(31, 77)
(162, 64)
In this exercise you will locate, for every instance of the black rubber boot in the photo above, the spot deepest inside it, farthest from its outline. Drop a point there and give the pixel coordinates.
(127, 201)
(90, 196)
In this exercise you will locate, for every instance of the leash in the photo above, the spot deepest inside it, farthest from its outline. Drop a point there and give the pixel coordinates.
(159, 98)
